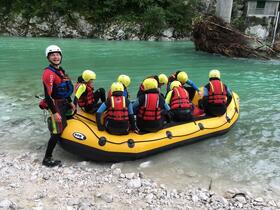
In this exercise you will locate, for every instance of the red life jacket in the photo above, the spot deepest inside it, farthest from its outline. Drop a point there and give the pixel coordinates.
(217, 93)
(118, 109)
(87, 97)
(150, 111)
(109, 93)
(180, 99)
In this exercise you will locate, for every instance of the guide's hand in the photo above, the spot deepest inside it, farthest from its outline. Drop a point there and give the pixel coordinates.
(57, 117)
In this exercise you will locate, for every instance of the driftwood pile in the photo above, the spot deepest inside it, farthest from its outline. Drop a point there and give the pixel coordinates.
(211, 34)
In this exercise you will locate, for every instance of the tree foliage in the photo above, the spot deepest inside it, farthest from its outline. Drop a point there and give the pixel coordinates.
(153, 15)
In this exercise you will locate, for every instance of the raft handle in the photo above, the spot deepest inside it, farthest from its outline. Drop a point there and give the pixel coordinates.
(228, 119)
(130, 143)
(102, 141)
(201, 126)
(169, 134)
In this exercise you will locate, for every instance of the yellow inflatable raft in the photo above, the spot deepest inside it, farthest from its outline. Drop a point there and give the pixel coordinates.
(82, 137)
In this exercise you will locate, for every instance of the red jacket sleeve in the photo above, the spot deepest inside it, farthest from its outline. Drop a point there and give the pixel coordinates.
(48, 79)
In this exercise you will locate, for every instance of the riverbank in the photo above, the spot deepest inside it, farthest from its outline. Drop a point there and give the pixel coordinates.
(26, 184)
(77, 26)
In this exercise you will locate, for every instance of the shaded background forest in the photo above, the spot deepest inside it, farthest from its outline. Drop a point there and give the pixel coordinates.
(153, 15)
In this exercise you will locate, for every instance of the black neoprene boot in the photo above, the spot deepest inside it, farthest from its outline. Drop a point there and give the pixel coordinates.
(49, 162)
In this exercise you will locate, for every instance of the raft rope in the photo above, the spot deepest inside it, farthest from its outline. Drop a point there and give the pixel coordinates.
(86, 118)
(200, 125)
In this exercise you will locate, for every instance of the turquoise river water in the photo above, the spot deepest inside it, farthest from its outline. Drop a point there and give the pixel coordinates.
(246, 158)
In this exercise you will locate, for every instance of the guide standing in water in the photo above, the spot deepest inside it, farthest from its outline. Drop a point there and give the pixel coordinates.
(58, 89)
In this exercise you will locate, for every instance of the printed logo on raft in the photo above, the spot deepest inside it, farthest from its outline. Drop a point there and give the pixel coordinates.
(79, 136)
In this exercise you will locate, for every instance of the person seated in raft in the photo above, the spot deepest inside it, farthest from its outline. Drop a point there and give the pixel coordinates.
(85, 96)
(125, 81)
(119, 118)
(161, 79)
(216, 95)
(182, 77)
(180, 105)
(150, 108)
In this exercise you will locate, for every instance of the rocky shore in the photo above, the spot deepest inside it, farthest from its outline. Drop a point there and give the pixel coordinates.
(26, 184)
(76, 26)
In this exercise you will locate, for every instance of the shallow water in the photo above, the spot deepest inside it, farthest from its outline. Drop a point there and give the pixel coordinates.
(247, 157)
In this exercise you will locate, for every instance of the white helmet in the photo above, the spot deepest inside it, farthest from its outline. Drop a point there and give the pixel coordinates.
(53, 48)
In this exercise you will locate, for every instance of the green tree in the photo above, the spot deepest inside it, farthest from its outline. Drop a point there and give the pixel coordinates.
(153, 21)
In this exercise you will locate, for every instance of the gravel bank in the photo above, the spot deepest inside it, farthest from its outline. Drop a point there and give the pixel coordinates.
(26, 184)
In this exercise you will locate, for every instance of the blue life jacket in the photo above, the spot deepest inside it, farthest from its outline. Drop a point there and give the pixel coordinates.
(65, 88)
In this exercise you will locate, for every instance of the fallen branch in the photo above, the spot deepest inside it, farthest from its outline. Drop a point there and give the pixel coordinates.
(213, 35)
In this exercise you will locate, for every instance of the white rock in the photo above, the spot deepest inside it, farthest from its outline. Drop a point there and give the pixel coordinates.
(152, 38)
(129, 175)
(168, 32)
(220, 199)
(164, 38)
(108, 37)
(83, 163)
(83, 206)
(34, 19)
(128, 191)
(135, 38)
(117, 171)
(73, 201)
(239, 205)
(150, 197)
(13, 185)
(141, 174)
(259, 200)
(134, 183)
(120, 34)
(7, 204)
(46, 176)
(113, 166)
(145, 164)
(108, 198)
(194, 198)
(203, 196)
(241, 199)
(272, 203)
(40, 195)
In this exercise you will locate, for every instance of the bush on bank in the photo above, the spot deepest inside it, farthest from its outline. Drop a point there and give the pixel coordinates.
(153, 16)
